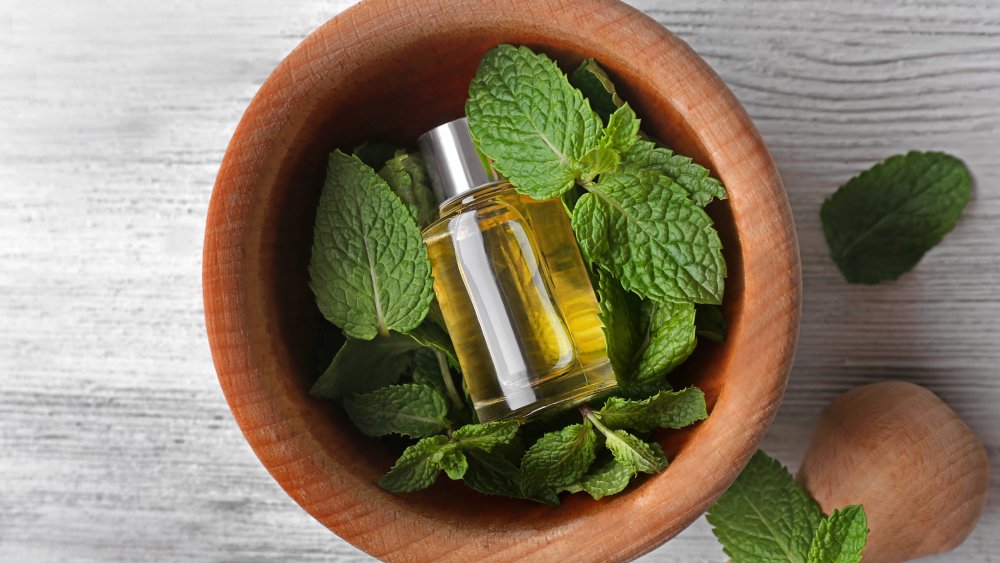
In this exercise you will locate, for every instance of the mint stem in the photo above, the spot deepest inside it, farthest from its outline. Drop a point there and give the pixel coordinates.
(595, 419)
(449, 383)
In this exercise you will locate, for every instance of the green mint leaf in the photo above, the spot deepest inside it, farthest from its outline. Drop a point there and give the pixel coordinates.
(525, 116)
(710, 323)
(409, 410)
(361, 366)
(765, 515)
(599, 161)
(649, 235)
(375, 153)
(692, 178)
(841, 537)
(407, 178)
(426, 370)
(417, 468)
(669, 340)
(558, 459)
(595, 85)
(485, 437)
(881, 222)
(636, 455)
(622, 131)
(451, 459)
(492, 474)
(609, 478)
(619, 311)
(666, 409)
(369, 268)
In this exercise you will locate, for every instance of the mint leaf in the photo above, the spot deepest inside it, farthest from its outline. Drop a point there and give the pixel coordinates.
(451, 459)
(369, 268)
(881, 222)
(431, 335)
(692, 178)
(765, 515)
(361, 366)
(525, 116)
(666, 409)
(558, 459)
(710, 323)
(375, 153)
(407, 178)
(492, 474)
(418, 467)
(485, 437)
(597, 161)
(426, 370)
(594, 83)
(669, 340)
(619, 311)
(841, 537)
(609, 478)
(633, 453)
(409, 410)
(649, 235)
(622, 131)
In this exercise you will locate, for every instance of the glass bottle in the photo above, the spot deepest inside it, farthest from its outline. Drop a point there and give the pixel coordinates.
(514, 291)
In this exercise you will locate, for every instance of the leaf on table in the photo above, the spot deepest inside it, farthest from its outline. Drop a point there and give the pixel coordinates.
(369, 268)
(527, 118)
(881, 222)
(841, 537)
(765, 515)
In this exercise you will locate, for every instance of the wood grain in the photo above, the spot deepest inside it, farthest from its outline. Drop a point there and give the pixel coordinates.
(115, 441)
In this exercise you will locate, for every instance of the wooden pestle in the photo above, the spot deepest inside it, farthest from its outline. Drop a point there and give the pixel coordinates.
(899, 450)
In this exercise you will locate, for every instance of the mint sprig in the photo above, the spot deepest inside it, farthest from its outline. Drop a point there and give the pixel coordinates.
(765, 515)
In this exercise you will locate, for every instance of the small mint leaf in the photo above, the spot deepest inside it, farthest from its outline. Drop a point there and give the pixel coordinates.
(765, 515)
(669, 340)
(409, 410)
(881, 222)
(841, 537)
(451, 459)
(637, 456)
(558, 459)
(598, 161)
(485, 437)
(597, 87)
(622, 131)
(407, 178)
(619, 311)
(689, 176)
(648, 234)
(525, 116)
(666, 409)
(417, 468)
(369, 268)
(609, 478)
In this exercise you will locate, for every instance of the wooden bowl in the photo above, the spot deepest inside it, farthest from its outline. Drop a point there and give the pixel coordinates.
(391, 70)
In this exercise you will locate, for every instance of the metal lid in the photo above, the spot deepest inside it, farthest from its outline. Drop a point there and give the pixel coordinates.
(453, 163)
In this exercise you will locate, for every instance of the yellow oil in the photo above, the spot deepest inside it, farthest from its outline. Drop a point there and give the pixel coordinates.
(518, 303)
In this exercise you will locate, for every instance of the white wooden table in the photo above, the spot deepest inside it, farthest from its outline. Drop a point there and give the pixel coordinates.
(115, 441)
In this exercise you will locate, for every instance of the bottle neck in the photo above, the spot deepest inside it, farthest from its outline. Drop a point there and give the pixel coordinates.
(480, 193)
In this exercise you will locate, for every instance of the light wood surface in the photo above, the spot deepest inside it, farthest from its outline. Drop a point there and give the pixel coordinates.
(115, 441)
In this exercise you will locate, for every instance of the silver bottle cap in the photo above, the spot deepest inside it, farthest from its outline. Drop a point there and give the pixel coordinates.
(452, 161)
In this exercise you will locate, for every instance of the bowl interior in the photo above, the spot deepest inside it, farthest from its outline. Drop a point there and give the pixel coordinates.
(390, 71)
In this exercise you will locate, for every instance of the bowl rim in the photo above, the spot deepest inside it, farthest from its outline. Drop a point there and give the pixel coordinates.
(772, 287)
